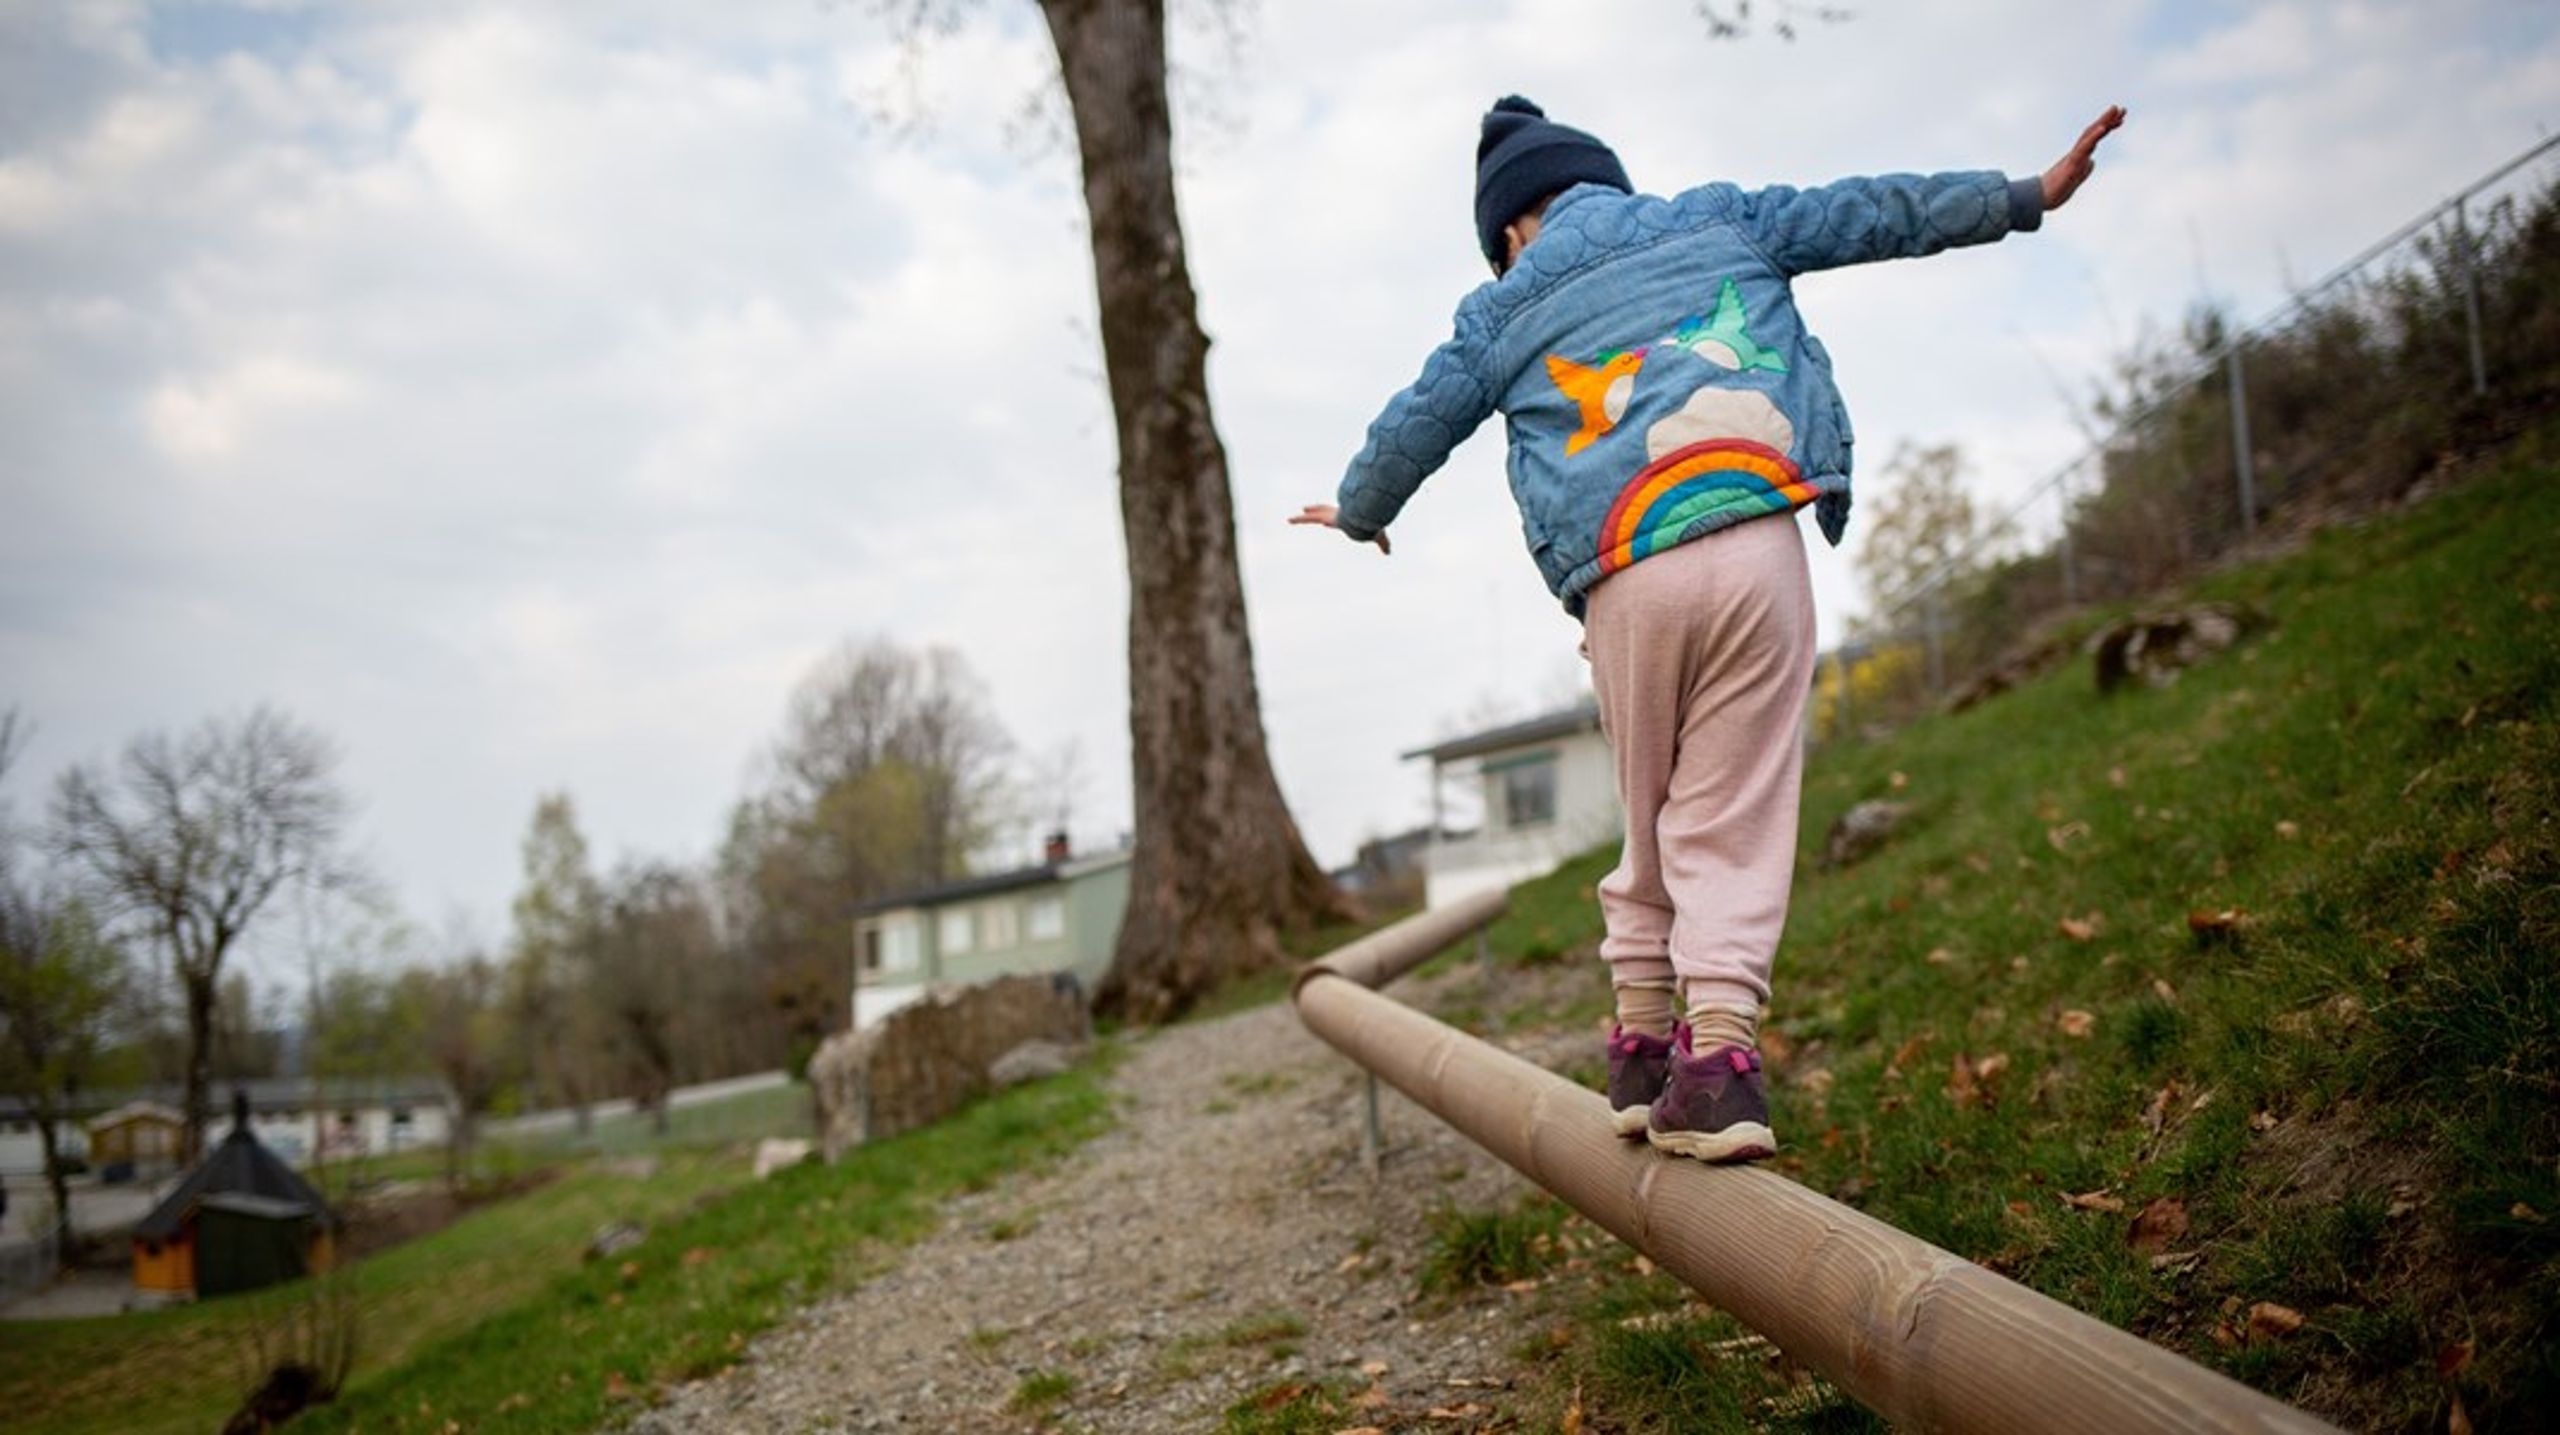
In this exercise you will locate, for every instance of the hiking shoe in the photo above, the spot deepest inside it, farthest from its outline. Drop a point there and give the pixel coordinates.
(1712, 1107)
(1638, 1065)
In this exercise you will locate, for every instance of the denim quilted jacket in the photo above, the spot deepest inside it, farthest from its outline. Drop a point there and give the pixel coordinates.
(1655, 377)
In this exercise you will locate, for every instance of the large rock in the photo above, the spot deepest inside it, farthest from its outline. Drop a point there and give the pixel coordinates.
(2153, 648)
(1861, 830)
(927, 1058)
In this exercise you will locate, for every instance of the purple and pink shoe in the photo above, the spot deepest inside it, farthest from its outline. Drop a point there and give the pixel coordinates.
(1638, 1066)
(1711, 1107)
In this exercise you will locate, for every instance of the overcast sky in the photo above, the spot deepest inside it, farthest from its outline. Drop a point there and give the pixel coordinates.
(528, 395)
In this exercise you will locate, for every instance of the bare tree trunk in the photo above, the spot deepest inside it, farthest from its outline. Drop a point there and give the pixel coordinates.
(1219, 866)
(56, 1183)
(201, 995)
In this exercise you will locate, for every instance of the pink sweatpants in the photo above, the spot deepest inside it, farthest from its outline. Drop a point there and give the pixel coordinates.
(1702, 657)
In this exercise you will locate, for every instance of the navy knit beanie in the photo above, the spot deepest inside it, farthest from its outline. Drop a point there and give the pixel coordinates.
(1523, 157)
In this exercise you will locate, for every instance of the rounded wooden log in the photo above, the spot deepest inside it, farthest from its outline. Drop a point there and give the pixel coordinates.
(1391, 951)
(1926, 1338)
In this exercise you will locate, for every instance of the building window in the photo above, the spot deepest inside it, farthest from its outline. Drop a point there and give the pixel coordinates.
(871, 949)
(1000, 925)
(957, 931)
(1048, 919)
(890, 947)
(1525, 788)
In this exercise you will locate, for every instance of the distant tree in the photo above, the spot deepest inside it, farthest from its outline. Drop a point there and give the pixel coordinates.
(558, 915)
(192, 837)
(890, 772)
(464, 1038)
(645, 968)
(1924, 525)
(59, 977)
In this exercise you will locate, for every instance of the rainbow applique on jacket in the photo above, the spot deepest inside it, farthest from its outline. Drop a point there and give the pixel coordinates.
(1723, 456)
(1601, 388)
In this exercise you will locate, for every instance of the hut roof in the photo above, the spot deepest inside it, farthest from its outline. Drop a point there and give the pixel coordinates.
(241, 1165)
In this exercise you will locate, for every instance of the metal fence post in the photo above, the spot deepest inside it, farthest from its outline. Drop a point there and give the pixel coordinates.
(2070, 563)
(2241, 463)
(1371, 1145)
(2470, 296)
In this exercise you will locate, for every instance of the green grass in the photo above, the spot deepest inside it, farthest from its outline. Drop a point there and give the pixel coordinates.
(1491, 1248)
(1039, 1390)
(2357, 1099)
(497, 1324)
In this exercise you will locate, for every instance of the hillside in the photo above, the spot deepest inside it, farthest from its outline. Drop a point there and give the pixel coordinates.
(2331, 1093)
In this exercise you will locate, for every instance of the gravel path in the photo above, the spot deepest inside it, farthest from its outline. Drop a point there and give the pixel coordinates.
(1224, 1238)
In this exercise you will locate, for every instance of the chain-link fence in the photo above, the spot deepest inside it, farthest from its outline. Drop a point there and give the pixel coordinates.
(2439, 340)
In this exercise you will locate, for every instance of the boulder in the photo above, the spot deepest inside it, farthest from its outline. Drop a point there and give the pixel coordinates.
(1861, 830)
(777, 1153)
(2153, 648)
(1029, 1062)
(923, 1061)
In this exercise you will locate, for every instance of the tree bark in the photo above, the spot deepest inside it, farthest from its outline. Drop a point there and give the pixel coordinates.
(55, 1182)
(199, 1078)
(1219, 868)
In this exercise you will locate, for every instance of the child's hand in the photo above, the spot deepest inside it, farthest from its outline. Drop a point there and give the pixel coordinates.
(1325, 515)
(2063, 180)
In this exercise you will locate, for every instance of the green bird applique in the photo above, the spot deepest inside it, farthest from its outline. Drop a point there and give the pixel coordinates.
(1723, 340)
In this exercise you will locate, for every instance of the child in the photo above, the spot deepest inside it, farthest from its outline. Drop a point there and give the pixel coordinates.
(1660, 390)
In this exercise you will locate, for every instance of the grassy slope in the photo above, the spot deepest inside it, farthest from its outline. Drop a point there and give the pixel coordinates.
(496, 1323)
(2354, 1103)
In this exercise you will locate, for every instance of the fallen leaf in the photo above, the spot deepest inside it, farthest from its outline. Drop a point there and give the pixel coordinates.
(2525, 1213)
(630, 1271)
(1898, 781)
(1571, 1424)
(2177, 1263)
(1939, 957)
(1468, 1411)
(2453, 1359)
(1351, 1262)
(2156, 1114)
(1373, 1368)
(2400, 1206)
(2115, 777)
(2093, 1201)
(616, 1386)
(1979, 863)
(1816, 1082)
(1960, 1087)
(697, 1255)
(1520, 1287)
(2263, 1121)
(2271, 1321)
(2224, 1335)
(1279, 1395)
(1774, 1045)
(2457, 1421)
(2158, 1225)
(2216, 927)
(1991, 1066)
(1907, 1053)
(2080, 929)
(2160, 988)
(2061, 838)
(1643, 1265)
(2203, 1099)
(2076, 1022)
(1360, 1430)
(2288, 830)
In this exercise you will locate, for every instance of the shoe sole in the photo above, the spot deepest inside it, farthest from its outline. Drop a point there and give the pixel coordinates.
(1742, 1141)
(1632, 1121)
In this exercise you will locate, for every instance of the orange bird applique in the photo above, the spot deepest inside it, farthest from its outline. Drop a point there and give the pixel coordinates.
(1601, 393)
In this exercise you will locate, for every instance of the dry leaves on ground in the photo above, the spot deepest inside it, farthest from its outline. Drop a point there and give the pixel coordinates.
(2157, 1226)
(2076, 1023)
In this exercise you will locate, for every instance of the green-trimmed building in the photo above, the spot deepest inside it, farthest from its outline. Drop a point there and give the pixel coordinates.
(1061, 916)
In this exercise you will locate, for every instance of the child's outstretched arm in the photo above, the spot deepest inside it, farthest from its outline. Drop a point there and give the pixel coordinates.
(1905, 216)
(1413, 437)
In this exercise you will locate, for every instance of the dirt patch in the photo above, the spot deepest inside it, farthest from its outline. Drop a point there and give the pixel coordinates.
(379, 1220)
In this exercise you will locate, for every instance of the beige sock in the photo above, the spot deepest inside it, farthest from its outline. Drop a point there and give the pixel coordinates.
(1715, 1024)
(1645, 1008)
